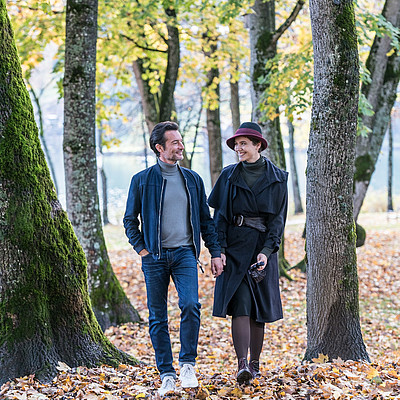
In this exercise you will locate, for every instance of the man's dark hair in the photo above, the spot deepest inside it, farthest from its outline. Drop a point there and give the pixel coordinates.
(157, 135)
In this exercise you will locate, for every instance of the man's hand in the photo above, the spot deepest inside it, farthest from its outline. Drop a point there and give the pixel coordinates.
(143, 253)
(223, 259)
(262, 257)
(216, 266)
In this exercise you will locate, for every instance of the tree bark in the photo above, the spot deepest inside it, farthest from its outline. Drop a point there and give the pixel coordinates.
(160, 107)
(235, 105)
(109, 302)
(390, 167)
(333, 324)
(42, 137)
(213, 115)
(384, 67)
(171, 73)
(298, 207)
(45, 311)
(263, 47)
(149, 102)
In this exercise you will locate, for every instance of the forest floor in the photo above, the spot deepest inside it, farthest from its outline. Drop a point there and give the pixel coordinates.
(284, 376)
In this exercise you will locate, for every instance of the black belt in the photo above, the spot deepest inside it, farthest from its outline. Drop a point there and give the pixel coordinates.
(252, 222)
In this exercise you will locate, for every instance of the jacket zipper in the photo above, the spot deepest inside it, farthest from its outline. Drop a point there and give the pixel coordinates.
(191, 223)
(159, 218)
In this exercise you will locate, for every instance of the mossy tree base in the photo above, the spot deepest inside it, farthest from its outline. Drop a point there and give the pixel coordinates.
(45, 311)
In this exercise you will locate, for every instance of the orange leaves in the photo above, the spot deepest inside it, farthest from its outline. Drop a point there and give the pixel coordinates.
(284, 376)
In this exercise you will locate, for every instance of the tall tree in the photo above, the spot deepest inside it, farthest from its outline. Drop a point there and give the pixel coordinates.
(45, 311)
(333, 324)
(390, 167)
(263, 48)
(298, 207)
(383, 65)
(157, 60)
(109, 302)
(212, 90)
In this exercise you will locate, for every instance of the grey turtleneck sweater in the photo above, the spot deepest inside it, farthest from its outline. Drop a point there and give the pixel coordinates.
(175, 219)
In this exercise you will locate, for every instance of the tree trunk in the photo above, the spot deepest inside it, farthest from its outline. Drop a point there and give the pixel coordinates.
(263, 47)
(333, 323)
(103, 176)
(109, 302)
(384, 67)
(298, 207)
(390, 167)
(42, 137)
(171, 73)
(213, 117)
(149, 102)
(160, 107)
(45, 312)
(235, 105)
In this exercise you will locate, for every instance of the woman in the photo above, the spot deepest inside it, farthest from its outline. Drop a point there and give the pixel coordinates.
(250, 202)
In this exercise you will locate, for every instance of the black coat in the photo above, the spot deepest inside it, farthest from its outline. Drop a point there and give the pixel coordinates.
(267, 198)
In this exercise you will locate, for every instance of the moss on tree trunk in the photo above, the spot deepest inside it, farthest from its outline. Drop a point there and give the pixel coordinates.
(45, 311)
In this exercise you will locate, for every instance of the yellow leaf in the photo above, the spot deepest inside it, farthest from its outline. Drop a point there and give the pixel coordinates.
(372, 373)
(321, 359)
(236, 393)
(224, 391)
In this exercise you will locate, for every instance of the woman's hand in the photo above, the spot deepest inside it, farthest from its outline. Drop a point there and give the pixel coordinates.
(262, 257)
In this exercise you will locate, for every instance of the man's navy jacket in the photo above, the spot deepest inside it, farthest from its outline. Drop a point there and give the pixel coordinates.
(145, 198)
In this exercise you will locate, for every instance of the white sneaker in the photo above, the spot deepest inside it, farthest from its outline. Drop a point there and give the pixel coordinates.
(168, 385)
(188, 376)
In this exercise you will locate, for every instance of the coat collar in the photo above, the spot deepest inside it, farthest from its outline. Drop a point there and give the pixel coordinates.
(272, 174)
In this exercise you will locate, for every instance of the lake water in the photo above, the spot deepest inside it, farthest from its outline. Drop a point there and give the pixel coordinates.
(120, 167)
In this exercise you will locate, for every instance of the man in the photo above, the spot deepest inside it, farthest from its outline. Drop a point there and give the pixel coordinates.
(173, 211)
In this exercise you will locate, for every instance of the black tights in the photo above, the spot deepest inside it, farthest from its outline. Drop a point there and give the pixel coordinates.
(247, 333)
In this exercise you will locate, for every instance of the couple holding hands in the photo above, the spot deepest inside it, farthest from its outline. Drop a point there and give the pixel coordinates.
(166, 214)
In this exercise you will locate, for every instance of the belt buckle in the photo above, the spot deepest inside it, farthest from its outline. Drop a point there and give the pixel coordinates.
(240, 220)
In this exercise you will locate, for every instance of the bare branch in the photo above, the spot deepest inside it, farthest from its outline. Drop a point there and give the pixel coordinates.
(142, 47)
(282, 29)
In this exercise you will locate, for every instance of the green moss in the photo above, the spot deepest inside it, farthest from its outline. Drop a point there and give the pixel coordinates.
(263, 54)
(391, 73)
(78, 7)
(345, 21)
(364, 166)
(78, 74)
(361, 235)
(347, 45)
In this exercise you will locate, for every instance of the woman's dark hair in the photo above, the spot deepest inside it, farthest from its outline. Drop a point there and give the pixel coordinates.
(157, 135)
(255, 141)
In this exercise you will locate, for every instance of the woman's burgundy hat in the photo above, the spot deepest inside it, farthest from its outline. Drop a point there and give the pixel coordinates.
(250, 130)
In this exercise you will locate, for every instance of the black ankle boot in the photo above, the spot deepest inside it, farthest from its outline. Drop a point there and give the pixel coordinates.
(244, 375)
(254, 367)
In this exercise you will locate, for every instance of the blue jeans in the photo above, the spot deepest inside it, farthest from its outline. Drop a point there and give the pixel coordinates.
(181, 265)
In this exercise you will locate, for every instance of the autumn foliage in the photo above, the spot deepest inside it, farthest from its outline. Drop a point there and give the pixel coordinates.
(284, 376)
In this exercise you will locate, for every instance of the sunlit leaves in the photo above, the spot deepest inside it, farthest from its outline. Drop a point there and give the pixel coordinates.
(283, 374)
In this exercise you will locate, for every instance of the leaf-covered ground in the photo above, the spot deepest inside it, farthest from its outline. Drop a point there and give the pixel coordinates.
(284, 376)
